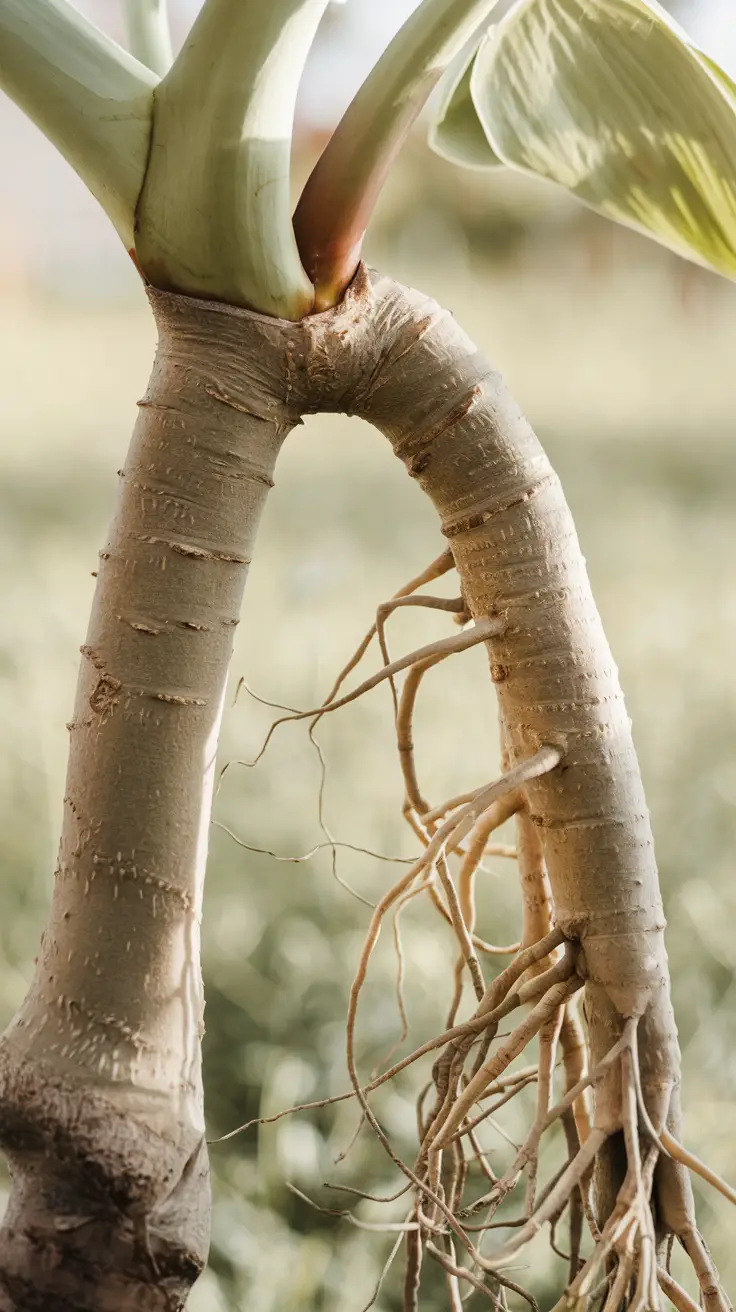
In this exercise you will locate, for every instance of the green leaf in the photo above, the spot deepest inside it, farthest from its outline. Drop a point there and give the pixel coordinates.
(609, 99)
(457, 133)
(717, 72)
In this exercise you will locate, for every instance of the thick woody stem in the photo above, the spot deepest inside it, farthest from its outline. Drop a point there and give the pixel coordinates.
(517, 555)
(100, 1071)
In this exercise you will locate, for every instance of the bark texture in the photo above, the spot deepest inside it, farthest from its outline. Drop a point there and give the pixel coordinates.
(100, 1088)
(100, 1072)
(451, 420)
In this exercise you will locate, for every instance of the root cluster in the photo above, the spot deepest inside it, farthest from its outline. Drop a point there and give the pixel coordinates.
(463, 1216)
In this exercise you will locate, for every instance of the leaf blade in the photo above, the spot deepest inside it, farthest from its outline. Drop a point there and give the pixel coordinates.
(456, 132)
(610, 101)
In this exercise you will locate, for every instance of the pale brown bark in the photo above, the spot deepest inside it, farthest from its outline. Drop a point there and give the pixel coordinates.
(99, 1073)
(460, 434)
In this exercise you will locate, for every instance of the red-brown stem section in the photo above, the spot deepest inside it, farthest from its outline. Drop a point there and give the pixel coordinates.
(335, 207)
(100, 1090)
(339, 197)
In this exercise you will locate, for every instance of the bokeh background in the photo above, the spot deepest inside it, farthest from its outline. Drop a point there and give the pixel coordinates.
(624, 359)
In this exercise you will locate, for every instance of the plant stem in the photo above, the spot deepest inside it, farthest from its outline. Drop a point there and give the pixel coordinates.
(87, 95)
(102, 1064)
(149, 37)
(100, 1093)
(340, 195)
(214, 217)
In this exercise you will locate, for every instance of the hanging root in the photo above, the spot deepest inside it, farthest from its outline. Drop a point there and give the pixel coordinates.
(475, 1075)
(442, 565)
(600, 1091)
(445, 647)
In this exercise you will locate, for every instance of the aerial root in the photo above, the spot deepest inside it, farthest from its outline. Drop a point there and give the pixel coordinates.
(382, 1277)
(491, 819)
(564, 1028)
(470, 637)
(454, 605)
(479, 632)
(415, 805)
(548, 1038)
(572, 1045)
(542, 1123)
(318, 847)
(711, 1291)
(476, 1071)
(442, 565)
(623, 1268)
(455, 905)
(672, 1148)
(426, 1176)
(419, 659)
(516, 1084)
(625, 1250)
(447, 838)
(572, 1177)
(463, 1273)
(679, 1297)
(381, 1227)
(452, 1116)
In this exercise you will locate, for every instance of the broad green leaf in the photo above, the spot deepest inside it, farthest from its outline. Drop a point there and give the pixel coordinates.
(457, 133)
(717, 72)
(610, 100)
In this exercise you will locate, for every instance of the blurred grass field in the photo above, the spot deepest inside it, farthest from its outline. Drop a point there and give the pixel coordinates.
(630, 383)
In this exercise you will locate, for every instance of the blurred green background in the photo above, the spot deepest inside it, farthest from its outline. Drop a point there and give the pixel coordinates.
(624, 360)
